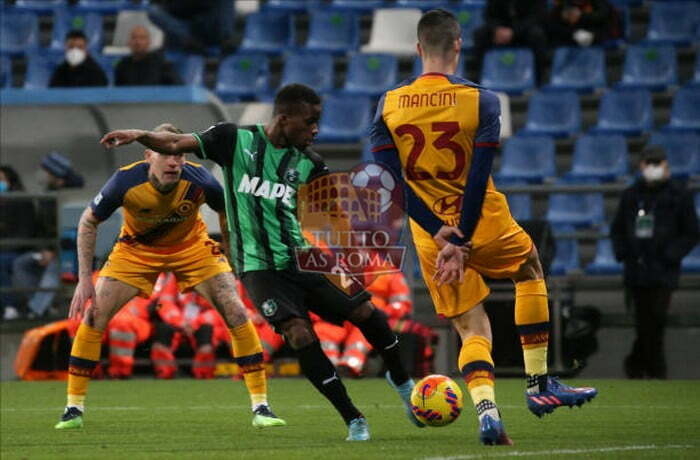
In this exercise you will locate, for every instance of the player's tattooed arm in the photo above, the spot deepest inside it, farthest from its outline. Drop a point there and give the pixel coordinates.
(163, 142)
(85, 290)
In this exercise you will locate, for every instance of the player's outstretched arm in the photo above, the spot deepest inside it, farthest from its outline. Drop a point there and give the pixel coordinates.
(85, 290)
(163, 142)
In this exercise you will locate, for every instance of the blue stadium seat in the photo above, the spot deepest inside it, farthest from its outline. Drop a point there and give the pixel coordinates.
(673, 21)
(40, 66)
(472, 2)
(189, 67)
(370, 74)
(691, 262)
(109, 6)
(268, 32)
(311, 69)
(566, 257)
(5, 72)
(511, 70)
(418, 67)
(470, 17)
(19, 32)
(685, 109)
(579, 69)
(422, 4)
(697, 203)
(579, 210)
(296, 6)
(360, 5)
(528, 158)
(40, 6)
(520, 205)
(344, 119)
(604, 262)
(243, 77)
(650, 66)
(682, 150)
(696, 74)
(625, 111)
(553, 113)
(333, 31)
(65, 20)
(599, 157)
(626, 2)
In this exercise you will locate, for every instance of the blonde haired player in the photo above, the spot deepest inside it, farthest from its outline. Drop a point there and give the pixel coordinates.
(162, 232)
(439, 133)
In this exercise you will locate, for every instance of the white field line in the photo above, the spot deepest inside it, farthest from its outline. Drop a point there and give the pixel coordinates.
(303, 406)
(522, 453)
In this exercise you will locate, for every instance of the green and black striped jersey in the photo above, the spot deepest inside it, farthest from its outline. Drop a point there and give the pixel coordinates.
(260, 187)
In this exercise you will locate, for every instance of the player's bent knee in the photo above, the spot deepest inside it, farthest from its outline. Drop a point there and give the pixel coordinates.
(297, 332)
(531, 269)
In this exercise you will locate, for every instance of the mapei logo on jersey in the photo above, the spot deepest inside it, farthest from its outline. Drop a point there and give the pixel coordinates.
(269, 307)
(266, 189)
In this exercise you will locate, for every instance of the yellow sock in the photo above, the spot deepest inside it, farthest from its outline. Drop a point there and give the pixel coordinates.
(247, 351)
(84, 356)
(476, 365)
(532, 321)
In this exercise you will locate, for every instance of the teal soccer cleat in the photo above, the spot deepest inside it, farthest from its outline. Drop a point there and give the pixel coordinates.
(358, 430)
(404, 391)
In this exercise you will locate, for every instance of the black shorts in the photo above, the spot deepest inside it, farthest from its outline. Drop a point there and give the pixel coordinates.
(282, 294)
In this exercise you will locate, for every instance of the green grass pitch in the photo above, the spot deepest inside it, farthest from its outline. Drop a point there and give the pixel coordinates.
(211, 419)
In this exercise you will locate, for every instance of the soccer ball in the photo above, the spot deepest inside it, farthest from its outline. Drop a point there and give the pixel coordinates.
(377, 178)
(436, 400)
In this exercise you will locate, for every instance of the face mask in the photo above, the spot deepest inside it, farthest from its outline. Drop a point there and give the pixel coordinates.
(4, 186)
(653, 173)
(75, 56)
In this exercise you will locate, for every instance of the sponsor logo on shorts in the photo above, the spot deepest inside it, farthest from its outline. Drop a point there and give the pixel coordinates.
(269, 307)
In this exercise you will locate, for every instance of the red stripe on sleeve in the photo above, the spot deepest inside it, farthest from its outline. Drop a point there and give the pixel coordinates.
(383, 147)
(486, 144)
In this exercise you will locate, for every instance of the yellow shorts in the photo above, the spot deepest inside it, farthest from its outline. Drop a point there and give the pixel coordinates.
(499, 258)
(192, 263)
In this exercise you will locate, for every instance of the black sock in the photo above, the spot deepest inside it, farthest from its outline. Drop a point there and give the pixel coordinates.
(377, 332)
(321, 373)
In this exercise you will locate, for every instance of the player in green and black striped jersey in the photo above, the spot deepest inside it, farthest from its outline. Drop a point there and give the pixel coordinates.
(264, 166)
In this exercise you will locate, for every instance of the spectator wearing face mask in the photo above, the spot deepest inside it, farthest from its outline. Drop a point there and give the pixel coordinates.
(78, 69)
(654, 228)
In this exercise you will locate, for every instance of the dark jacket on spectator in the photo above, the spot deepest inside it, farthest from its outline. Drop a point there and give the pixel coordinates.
(597, 17)
(516, 14)
(89, 73)
(655, 262)
(152, 69)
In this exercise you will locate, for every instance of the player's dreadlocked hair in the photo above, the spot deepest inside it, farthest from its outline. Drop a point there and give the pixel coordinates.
(437, 31)
(167, 127)
(289, 96)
